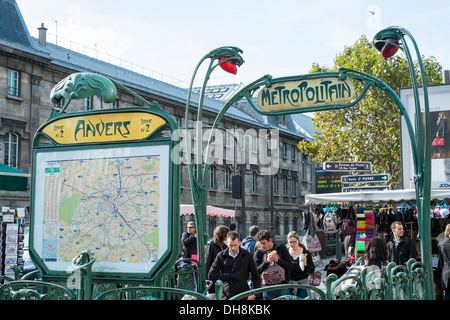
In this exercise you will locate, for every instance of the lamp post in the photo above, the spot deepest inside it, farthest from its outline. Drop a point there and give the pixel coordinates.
(228, 58)
(388, 41)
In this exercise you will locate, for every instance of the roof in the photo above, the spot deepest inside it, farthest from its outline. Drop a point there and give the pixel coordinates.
(14, 33)
(12, 26)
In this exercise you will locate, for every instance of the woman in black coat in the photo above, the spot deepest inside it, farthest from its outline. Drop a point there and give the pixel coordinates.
(444, 262)
(215, 245)
(303, 264)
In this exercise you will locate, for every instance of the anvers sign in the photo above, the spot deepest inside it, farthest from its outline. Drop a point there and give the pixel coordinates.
(108, 127)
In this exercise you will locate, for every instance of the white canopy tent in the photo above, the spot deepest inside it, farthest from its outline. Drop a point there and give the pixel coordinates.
(374, 196)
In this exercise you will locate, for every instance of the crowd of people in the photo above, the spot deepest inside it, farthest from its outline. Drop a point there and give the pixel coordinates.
(258, 260)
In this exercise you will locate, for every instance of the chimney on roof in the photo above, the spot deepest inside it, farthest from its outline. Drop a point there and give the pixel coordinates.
(446, 77)
(42, 35)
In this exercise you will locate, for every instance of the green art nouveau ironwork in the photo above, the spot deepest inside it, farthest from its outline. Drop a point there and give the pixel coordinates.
(388, 41)
(179, 279)
(223, 56)
(116, 132)
(320, 95)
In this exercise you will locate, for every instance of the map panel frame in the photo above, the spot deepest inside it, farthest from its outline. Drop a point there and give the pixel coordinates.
(130, 159)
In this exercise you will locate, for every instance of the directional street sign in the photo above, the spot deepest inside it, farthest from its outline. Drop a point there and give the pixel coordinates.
(382, 177)
(347, 166)
(359, 189)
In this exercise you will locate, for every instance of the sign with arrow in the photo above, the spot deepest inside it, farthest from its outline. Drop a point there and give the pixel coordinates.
(382, 177)
(366, 189)
(347, 166)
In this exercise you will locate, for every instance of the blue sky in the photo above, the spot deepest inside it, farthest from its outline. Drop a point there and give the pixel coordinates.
(279, 38)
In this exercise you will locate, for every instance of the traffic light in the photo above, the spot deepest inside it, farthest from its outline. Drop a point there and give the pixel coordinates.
(236, 187)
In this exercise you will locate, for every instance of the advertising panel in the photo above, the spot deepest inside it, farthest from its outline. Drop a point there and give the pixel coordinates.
(439, 103)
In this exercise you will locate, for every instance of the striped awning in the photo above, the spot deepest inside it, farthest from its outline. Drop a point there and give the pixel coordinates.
(187, 209)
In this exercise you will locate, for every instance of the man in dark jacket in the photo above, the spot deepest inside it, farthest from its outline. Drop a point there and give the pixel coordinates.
(189, 241)
(269, 253)
(401, 248)
(234, 266)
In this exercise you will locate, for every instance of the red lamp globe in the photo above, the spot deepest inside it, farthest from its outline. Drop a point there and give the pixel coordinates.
(388, 50)
(229, 65)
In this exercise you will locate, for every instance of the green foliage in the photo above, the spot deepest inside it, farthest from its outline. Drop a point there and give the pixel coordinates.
(370, 130)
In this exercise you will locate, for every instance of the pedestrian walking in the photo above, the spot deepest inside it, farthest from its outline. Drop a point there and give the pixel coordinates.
(274, 264)
(235, 266)
(215, 245)
(250, 241)
(189, 241)
(303, 264)
(444, 262)
(400, 247)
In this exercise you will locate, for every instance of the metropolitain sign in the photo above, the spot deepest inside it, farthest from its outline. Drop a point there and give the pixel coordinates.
(306, 93)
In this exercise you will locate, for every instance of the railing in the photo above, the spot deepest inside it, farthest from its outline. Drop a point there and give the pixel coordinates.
(395, 282)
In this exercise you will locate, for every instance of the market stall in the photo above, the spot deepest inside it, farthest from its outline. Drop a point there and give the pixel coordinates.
(374, 196)
(376, 210)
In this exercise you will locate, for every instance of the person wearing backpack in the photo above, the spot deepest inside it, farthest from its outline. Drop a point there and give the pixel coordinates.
(250, 241)
(274, 263)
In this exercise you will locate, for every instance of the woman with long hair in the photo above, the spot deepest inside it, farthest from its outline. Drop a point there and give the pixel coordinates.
(376, 253)
(303, 263)
(215, 245)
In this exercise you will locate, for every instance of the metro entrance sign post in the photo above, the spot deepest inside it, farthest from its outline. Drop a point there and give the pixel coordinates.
(312, 93)
(335, 90)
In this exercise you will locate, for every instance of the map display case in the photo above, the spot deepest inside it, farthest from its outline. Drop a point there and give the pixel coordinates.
(104, 181)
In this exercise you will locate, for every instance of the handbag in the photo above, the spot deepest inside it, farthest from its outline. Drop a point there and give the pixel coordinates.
(438, 142)
(311, 241)
(348, 227)
(315, 278)
(273, 274)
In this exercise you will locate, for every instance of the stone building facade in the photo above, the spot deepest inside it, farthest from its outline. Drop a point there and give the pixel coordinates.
(30, 67)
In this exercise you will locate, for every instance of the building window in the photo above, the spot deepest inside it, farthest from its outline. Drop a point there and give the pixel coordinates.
(293, 187)
(254, 220)
(212, 177)
(179, 121)
(285, 225)
(13, 83)
(285, 183)
(87, 104)
(227, 178)
(226, 141)
(294, 223)
(284, 149)
(11, 149)
(275, 184)
(114, 104)
(304, 168)
(293, 152)
(254, 182)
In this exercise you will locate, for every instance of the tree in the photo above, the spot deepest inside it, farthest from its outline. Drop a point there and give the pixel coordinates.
(370, 130)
